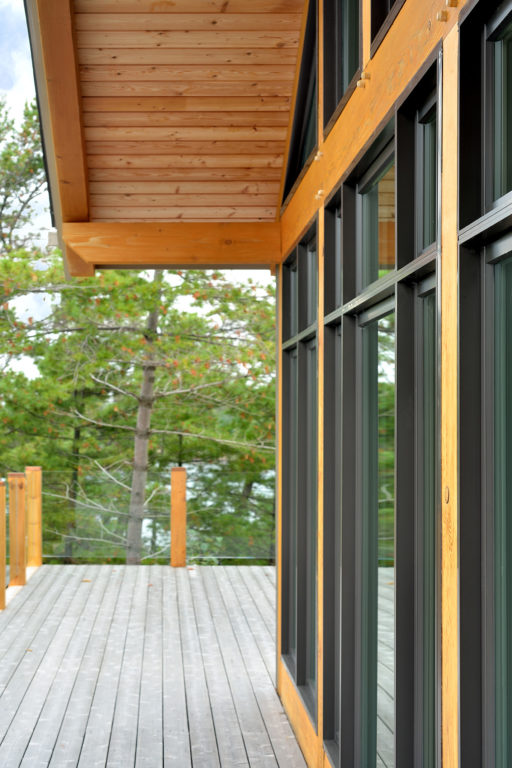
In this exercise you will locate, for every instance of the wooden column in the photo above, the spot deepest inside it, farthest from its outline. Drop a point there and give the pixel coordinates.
(17, 574)
(320, 484)
(449, 406)
(2, 544)
(279, 475)
(178, 517)
(34, 517)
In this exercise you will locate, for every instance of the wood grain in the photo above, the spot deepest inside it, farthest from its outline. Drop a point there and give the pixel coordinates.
(196, 72)
(187, 119)
(188, 133)
(34, 517)
(241, 188)
(178, 517)
(449, 404)
(56, 32)
(204, 56)
(179, 243)
(169, 213)
(3, 534)
(196, 40)
(116, 22)
(189, 175)
(177, 200)
(186, 104)
(17, 561)
(209, 88)
(186, 6)
(177, 162)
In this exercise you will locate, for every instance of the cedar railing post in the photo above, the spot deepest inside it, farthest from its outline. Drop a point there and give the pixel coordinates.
(178, 517)
(17, 573)
(2, 544)
(34, 517)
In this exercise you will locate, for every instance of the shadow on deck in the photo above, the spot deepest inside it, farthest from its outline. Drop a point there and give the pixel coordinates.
(142, 666)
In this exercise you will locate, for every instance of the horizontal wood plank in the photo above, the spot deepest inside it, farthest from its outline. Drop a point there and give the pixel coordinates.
(185, 161)
(182, 147)
(186, 200)
(169, 213)
(186, 104)
(241, 188)
(186, 21)
(183, 39)
(203, 175)
(186, 119)
(195, 72)
(187, 6)
(183, 56)
(187, 88)
(189, 133)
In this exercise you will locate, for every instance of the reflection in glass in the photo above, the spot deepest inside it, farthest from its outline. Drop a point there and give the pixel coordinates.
(378, 576)
(311, 522)
(292, 501)
(428, 523)
(502, 108)
(378, 227)
(429, 179)
(502, 509)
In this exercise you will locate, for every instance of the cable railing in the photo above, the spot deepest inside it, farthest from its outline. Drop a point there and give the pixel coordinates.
(89, 516)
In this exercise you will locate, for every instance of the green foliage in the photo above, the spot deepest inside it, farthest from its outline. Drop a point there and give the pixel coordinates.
(22, 176)
(213, 401)
(73, 356)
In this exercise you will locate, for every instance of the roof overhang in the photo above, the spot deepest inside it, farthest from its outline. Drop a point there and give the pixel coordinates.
(166, 127)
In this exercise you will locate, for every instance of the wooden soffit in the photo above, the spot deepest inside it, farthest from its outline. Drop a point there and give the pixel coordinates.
(166, 111)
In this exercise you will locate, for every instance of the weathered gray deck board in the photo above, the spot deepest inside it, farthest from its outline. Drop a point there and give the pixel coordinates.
(127, 666)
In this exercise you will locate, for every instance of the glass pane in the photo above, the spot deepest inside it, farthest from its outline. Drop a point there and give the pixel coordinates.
(350, 42)
(291, 293)
(311, 470)
(429, 130)
(378, 227)
(429, 529)
(503, 114)
(502, 507)
(292, 500)
(311, 288)
(378, 577)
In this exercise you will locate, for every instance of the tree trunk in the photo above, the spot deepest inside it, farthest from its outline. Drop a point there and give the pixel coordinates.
(73, 490)
(141, 441)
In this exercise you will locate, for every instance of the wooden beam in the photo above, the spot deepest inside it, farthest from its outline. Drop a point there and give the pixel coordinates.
(2, 544)
(299, 717)
(174, 244)
(449, 405)
(178, 517)
(76, 266)
(34, 517)
(57, 76)
(17, 564)
(391, 69)
(279, 476)
(320, 484)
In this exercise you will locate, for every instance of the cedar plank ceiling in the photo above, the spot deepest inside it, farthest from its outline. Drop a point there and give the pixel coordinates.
(185, 106)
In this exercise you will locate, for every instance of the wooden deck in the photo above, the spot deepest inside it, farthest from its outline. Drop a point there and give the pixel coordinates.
(142, 666)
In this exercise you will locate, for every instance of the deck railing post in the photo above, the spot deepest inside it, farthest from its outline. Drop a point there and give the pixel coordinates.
(2, 544)
(34, 517)
(178, 517)
(17, 570)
